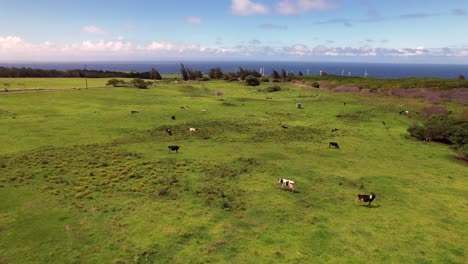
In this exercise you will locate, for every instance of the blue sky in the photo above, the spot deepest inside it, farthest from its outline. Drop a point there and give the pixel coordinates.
(409, 31)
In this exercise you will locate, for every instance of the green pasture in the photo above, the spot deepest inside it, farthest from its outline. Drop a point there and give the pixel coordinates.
(12, 84)
(83, 180)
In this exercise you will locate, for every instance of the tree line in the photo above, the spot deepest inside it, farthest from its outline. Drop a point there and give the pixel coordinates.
(13, 72)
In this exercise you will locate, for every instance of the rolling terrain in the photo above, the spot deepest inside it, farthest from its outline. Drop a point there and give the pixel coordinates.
(83, 180)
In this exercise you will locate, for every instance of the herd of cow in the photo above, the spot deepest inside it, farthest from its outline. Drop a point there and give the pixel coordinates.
(288, 184)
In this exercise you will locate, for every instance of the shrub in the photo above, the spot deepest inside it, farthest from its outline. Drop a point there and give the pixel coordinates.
(139, 83)
(115, 83)
(315, 85)
(275, 80)
(272, 89)
(251, 80)
(264, 79)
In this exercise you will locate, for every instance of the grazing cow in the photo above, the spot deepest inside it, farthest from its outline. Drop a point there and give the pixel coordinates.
(335, 130)
(193, 129)
(182, 107)
(365, 198)
(383, 123)
(287, 183)
(169, 131)
(173, 117)
(406, 112)
(134, 112)
(285, 127)
(173, 148)
(344, 104)
(333, 144)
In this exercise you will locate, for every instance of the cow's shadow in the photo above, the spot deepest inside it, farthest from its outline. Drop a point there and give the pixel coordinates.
(369, 206)
(287, 190)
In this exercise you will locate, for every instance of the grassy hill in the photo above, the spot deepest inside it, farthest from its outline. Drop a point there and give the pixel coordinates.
(83, 180)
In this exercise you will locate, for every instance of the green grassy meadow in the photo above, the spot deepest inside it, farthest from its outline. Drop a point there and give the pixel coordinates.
(13, 84)
(82, 180)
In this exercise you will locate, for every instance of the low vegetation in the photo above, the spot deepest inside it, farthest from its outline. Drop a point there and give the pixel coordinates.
(86, 175)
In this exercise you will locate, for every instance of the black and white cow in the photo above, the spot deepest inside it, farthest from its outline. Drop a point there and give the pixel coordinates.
(365, 198)
(173, 148)
(333, 144)
(287, 183)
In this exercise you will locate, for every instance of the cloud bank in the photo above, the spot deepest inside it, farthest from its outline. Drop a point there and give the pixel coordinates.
(14, 48)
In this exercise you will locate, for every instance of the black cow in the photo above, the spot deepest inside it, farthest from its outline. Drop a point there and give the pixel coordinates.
(365, 198)
(333, 144)
(169, 131)
(335, 129)
(173, 117)
(134, 112)
(173, 148)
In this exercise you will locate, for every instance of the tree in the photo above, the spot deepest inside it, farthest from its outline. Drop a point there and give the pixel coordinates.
(300, 73)
(275, 75)
(251, 80)
(216, 73)
(194, 74)
(154, 74)
(139, 83)
(461, 77)
(283, 75)
(183, 72)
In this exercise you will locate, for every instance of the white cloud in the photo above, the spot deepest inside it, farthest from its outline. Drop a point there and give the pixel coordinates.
(93, 30)
(290, 7)
(16, 48)
(193, 20)
(247, 8)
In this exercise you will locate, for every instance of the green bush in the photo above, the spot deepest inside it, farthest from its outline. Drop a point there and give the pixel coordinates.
(443, 129)
(139, 83)
(252, 81)
(264, 79)
(272, 89)
(115, 83)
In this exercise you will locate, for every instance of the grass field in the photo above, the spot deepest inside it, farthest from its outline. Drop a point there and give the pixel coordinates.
(82, 180)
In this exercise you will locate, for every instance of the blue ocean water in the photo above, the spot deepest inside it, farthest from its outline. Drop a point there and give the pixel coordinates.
(385, 70)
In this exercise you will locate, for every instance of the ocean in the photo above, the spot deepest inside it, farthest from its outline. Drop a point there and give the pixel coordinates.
(384, 70)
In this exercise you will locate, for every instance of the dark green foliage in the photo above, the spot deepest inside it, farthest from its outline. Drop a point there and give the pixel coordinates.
(461, 77)
(194, 74)
(29, 72)
(230, 76)
(116, 83)
(300, 73)
(251, 80)
(139, 83)
(284, 75)
(264, 79)
(445, 129)
(183, 72)
(155, 75)
(315, 85)
(243, 73)
(216, 73)
(271, 89)
(275, 75)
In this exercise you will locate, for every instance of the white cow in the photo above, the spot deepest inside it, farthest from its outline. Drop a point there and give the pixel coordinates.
(288, 183)
(192, 129)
